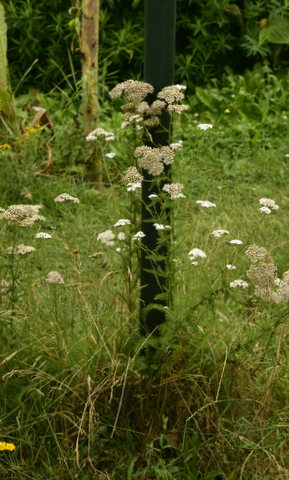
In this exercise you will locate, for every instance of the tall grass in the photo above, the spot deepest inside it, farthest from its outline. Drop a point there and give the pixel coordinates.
(77, 397)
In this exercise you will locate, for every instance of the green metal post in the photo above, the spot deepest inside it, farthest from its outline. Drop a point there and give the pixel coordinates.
(159, 61)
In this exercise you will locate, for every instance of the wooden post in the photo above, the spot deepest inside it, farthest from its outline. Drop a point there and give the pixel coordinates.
(89, 52)
(159, 60)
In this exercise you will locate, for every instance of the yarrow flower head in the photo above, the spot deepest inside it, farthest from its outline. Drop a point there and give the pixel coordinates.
(99, 132)
(20, 249)
(177, 145)
(195, 253)
(265, 210)
(204, 126)
(43, 235)
(65, 197)
(270, 204)
(154, 159)
(121, 222)
(230, 267)
(239, 283)
(131, 187)
(134, 90)
(138, 236)
(54, 278)
(236, 242)
(256, 253)
(219, 233)
(160, 226)
(23, 215)
(172, 94)
(174, 189)
(205, 203)
(132, 176)
(106, 237)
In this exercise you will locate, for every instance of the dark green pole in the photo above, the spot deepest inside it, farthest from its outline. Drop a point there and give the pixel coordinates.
(159, 62)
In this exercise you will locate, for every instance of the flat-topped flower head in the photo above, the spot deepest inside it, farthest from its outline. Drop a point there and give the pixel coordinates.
(204, 126)
(131, 187)
(138, 236)
(23, 215)
(154, 159)
(236, 242)
(270, 204)
(121, 222)
(219, 233)
(239, 283)
(176, 145)
(54, 278)
(99, 132)
(160, 226)
(171, 94)
(195, 253)
(256, 253)
(231, 267)
(174, 190)
(65, 197)
(134, 90)
(43, 235)
(21, 249)
(106, 237)
(132, 175)
(206, 203)
(178, 108)
(265, 210)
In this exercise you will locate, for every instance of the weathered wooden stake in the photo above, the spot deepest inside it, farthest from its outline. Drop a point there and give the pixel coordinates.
(89, 52)
(159, 60)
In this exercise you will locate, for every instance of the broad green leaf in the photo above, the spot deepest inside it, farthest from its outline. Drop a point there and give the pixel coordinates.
(205, 98)
(3, 48)
(276, 30)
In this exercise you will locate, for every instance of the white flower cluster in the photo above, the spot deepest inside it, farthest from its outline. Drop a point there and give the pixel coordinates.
(160, 226)
(20, 249)
(23, 215)
(268, 205)
(174, 190)
(206, 203)
(100, 132)
(107, 238)
(219, 233)
(43, 235)
(154, 159)
(239, 283)
(65, 197)
(54, 278)
(195, 253)
(204, 126)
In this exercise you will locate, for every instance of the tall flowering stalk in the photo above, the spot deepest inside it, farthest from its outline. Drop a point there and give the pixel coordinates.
(153, 119)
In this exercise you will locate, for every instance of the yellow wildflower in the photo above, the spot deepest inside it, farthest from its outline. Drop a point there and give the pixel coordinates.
(227, 110)
(5, 145)
(7, 446)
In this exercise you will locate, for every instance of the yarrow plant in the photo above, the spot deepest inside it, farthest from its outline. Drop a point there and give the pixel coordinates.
(151, 163)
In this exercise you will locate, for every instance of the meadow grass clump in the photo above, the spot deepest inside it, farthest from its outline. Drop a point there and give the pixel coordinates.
(78, 399)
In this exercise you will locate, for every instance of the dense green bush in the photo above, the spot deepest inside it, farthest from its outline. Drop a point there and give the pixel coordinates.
(210, 36)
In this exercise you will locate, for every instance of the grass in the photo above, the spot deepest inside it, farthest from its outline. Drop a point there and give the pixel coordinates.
(77, 397)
